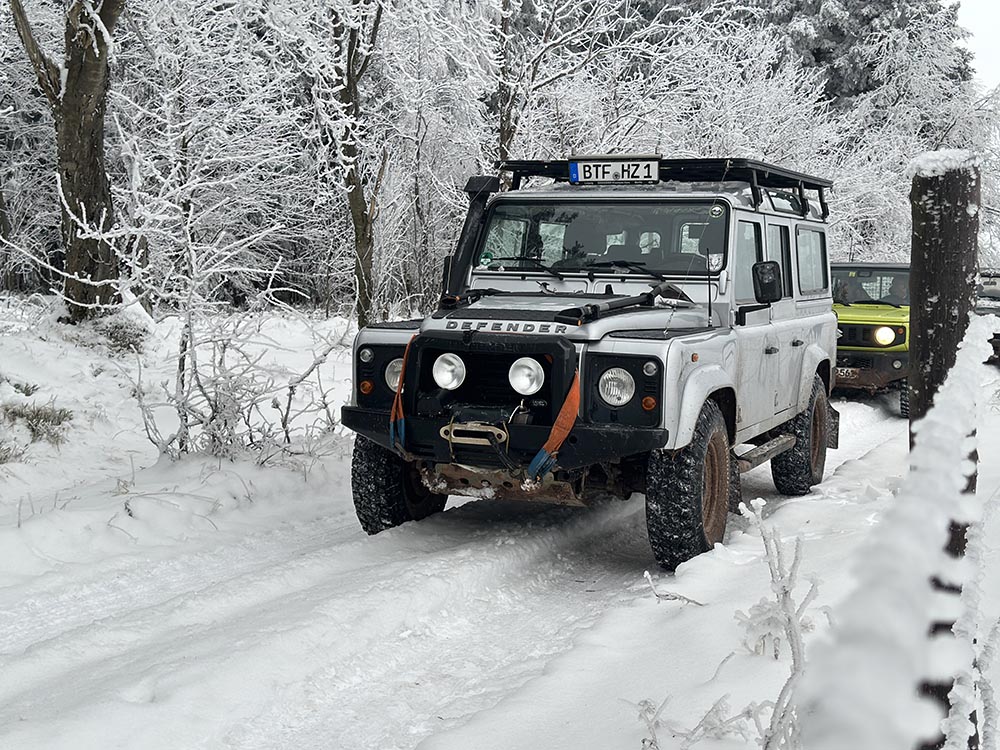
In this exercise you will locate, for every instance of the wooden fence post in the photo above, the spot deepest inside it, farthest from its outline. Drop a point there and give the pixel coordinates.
(945, 204)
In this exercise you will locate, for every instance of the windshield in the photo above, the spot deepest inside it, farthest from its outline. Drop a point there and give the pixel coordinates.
(989, 287)
(889, 286)
(677, 238)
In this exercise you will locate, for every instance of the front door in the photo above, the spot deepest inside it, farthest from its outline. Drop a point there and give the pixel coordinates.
(757, 343)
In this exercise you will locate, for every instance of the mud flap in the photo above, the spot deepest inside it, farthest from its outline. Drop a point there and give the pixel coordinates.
(833, 433)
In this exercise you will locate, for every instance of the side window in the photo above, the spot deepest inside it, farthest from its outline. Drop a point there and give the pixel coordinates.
(748, 252)
(779, 249)
(505, 239)
(811, 257)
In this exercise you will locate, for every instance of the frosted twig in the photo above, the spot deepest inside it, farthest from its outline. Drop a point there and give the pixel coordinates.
(668, 596)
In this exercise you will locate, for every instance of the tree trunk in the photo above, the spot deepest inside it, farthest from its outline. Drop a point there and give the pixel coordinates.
(943, 269)
(358, 40)
(364, 239)
(6, 270)
(77, 93)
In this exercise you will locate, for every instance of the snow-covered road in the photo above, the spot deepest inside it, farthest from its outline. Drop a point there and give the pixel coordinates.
(493, 625)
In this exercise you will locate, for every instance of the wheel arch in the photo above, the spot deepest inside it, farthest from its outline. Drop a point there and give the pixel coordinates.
(816, 362)
(706, 383)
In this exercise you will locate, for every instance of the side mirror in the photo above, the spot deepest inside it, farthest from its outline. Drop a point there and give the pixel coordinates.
(767, 286)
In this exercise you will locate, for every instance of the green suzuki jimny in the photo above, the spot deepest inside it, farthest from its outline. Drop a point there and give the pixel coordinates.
(872, 303)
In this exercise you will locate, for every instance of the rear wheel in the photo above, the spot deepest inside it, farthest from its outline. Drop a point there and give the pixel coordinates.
(688, 492)
(796, 471)
(387, 490)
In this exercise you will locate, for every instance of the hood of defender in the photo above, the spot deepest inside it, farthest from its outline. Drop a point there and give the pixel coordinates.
(533, 314)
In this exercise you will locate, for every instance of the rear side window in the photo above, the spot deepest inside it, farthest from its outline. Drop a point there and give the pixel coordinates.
(811, 260)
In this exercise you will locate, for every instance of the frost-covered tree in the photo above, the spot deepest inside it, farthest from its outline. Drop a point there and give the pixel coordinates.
(214, 159)
(76, 89)
(27, 164)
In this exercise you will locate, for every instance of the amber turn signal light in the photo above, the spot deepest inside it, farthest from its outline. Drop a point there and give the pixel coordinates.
(366, 387)
(649, 403)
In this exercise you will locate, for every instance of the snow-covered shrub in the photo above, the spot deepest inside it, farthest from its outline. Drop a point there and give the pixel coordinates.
(43, 421)
(124, 335)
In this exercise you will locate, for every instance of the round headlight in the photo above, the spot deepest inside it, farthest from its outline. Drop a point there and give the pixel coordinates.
(392, 372)
(617, 386)
(449, 371)
(366, 355)
(526, 376)
(884, 335)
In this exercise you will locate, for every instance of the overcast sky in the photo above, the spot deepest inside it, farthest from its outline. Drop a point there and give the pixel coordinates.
(982, 18)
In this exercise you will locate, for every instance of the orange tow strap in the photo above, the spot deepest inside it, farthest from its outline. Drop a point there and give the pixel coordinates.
(397, 421)
(545, 459)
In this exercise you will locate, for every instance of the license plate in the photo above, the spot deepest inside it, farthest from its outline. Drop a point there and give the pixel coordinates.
(848, 373)
(604, 172)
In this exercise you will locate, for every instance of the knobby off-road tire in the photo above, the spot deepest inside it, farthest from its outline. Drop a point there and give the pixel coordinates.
(796, 471)
(904, 400)
(688, 492)
(387, 491)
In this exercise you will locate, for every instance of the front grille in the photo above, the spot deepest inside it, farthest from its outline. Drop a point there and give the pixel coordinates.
(864, 336)
(851, 360)
(487, 383)
(486, 394)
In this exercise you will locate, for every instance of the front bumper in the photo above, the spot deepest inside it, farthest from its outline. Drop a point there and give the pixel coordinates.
(870, 370)
(587, 444)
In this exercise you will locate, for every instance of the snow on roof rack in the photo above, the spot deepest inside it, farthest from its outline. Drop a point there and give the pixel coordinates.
(759, 174)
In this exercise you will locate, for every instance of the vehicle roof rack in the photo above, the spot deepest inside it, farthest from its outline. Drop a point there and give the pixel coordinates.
(759, 174)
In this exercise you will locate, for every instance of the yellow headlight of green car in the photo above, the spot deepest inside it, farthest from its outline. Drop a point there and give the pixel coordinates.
(884, 335)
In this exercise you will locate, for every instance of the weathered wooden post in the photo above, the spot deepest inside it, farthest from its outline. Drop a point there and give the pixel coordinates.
(945, 204)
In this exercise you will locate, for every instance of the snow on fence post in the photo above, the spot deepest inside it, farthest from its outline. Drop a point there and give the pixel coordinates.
(860, 689)
(944, 203)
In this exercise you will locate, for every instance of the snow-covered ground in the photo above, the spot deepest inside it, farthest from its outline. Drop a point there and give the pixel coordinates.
(203, 604)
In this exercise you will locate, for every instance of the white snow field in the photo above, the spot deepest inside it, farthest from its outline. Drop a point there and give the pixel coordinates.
(149, 604)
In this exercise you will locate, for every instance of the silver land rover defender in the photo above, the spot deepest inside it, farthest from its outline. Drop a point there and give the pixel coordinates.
(610, 324)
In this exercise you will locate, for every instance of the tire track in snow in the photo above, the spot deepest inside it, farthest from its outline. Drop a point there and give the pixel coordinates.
(337, 640)
(315, 602)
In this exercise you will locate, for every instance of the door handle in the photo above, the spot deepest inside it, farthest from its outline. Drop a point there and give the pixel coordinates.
(771, 350)
(798, 342)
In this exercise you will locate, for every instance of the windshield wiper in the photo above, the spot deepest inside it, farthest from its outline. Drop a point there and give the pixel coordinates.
(636, 266)
(450, 302)
(536, 263)
(577, 316)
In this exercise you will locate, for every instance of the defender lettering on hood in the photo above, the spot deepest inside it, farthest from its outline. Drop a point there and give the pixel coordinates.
(504, 326)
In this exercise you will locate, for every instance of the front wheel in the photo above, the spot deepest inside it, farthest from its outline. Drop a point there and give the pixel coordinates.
(796, 471)
(904, 400)
(688, 492)
(387, 490)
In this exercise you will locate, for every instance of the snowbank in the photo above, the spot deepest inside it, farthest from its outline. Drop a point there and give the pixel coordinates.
(860, 689)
